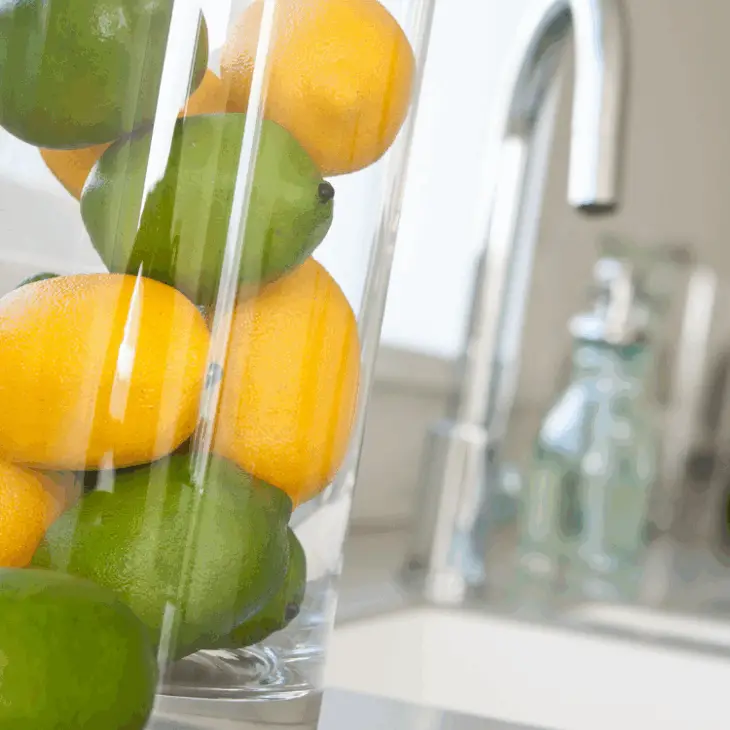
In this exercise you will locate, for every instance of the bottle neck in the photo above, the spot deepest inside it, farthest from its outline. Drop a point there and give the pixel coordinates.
(597, 358)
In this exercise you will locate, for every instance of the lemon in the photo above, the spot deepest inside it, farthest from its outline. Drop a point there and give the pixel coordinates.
(290, 385)
(341, 76)
(26, 508)
(98, 370)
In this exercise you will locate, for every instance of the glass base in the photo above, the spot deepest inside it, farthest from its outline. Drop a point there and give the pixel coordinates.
(242, 689)
(255, 673)
(289, 665)
(264, 687)
(189, 713)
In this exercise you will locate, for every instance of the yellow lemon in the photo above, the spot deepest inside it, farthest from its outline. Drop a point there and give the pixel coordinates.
(98, 370)
(25, 510)
(291, 380)
(341, 76)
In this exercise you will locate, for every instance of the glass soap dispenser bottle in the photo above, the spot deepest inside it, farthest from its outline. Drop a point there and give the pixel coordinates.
(585, 499)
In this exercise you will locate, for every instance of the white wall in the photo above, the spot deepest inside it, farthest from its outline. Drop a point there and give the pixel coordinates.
(449, 180)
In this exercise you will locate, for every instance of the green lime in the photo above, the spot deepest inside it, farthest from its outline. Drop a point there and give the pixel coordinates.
(72, 656)
(84, 72)
(36, 277)
(282, 609)
(196, 561)
(179, 234)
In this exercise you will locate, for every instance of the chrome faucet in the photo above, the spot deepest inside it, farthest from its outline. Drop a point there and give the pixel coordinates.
(443, 549)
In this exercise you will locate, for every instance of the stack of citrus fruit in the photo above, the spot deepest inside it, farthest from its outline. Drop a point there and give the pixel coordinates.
(102, 375)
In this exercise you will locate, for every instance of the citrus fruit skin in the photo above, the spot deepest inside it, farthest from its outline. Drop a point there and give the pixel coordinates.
(136, 541)
(73, 656)
(181, 235)
(25, 511)
(76, 74)
(211, 97)
(64, 490)
(72, 167)
(98, 370)
(341, 76)
(290, 384)
(282, 609)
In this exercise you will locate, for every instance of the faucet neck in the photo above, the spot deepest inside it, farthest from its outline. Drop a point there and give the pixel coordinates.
(597, 119)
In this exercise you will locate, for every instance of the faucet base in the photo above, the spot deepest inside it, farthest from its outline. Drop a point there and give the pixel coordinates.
(443, 557)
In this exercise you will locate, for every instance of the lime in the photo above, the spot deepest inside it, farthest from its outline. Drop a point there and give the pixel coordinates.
(84, 72)
(72, 656)
(196, 561)
(36, 277)
(282, 609)
(178, 232)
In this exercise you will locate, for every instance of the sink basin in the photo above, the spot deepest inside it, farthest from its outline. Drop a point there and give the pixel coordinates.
(690, 630)
(527, 674)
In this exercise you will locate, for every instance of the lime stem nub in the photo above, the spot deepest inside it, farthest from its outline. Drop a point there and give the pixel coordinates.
(326, 192)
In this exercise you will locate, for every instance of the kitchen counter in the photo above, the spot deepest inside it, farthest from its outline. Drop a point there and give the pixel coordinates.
(342, 711)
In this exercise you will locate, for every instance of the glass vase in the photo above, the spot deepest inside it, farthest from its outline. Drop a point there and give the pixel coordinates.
(200, 202)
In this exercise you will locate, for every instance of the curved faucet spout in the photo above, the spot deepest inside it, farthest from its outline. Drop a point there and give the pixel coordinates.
(598, 101)
(598, 41)
(530, 90)
(454, 502)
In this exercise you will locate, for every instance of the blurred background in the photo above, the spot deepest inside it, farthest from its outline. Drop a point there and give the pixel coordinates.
(676, 183)
(673, 222)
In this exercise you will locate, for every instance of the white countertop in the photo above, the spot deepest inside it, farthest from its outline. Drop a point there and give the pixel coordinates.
(528, 674)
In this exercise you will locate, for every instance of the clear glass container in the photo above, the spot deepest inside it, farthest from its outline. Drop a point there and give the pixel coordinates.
(619, 472)
(596, 461)
(200, 201)
(595, 466)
